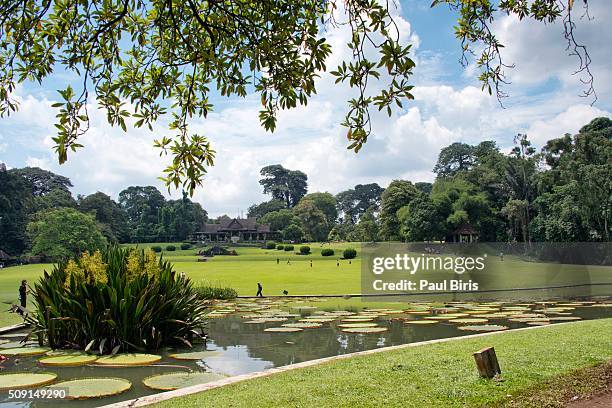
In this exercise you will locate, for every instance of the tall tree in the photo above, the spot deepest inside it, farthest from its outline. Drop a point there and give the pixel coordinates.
(64, 232)
(15, 201)
(42, 181)
(326, 203)
(454, 158)
(112, 217)
(261, 209)
(282, 184)
(356, 201)
(143, 206)
(312, 220)
(165, 57)
(399, 194)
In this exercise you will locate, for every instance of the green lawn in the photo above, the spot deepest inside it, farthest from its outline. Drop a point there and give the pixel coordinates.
(436, 375)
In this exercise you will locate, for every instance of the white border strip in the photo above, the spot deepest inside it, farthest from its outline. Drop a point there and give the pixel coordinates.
(164, 396)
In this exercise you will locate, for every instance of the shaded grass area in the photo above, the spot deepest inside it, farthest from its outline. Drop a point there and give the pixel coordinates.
(435, 375)
(560, 391)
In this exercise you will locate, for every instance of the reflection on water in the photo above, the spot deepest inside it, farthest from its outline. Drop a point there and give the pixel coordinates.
(245, 348)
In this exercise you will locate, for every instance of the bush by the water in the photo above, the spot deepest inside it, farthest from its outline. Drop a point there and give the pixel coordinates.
(185, 245)
(216, 292)
(270, 245)
(170, 248)
(121, 299)
(289, 248)
(280, 247)
(305, 250)
(156, 248)
(349, 253)
(327, 252)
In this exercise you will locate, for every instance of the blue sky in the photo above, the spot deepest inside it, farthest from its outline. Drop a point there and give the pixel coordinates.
(449, 107)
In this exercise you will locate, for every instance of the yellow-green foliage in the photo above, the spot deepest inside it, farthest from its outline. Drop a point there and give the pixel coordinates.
(90, 268)
(142, 261)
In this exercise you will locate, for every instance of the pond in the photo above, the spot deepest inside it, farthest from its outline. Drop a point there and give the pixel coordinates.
(244, 337)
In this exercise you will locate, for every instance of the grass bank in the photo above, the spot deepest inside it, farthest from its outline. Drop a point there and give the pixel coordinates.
(435, 375)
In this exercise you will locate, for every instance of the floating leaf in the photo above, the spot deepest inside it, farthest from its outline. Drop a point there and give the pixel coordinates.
(365, 330)
(355, 325)
(66, 360)
(283, 329)
(468, 320)
(25, 351)
(423, 322)
(484, 327)
(133, 359)
(173, 381)
(303, 325)
(85, 388)
(25, 380)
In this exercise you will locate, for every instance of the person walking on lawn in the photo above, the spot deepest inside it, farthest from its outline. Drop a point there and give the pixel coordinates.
(259, 290)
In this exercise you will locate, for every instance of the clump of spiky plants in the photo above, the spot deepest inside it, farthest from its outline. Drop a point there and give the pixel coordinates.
(117, 299)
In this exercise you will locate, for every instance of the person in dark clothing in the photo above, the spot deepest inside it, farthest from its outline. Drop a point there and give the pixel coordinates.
(311, 263)
(277, 260)
(259, 290)
(23, 293)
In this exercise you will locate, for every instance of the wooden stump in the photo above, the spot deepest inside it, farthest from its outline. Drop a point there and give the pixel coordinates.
(486, 361)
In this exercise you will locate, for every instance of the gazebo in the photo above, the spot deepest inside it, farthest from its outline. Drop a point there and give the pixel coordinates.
(465, 233)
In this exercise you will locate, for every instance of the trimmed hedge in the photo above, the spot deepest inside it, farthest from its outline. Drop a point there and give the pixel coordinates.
(170, 248)
(156, 248)
(289, 248)
(327, 252)
(349, 253)
(270, 245)
(305, 250)
(185, 245)
(280, 247)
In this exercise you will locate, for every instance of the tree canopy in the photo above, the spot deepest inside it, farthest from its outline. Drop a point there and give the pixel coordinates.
(148, 59)
(283, 184)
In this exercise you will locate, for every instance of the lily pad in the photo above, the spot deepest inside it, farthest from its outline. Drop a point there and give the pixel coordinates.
(283, 329)
(564, 318)
(468, 320)
(173, 381)
(85, 388)
(68, 360)
(195, 355)
(365, 330)
(319, 320)
(483, 328)
(25, 380)
(303, 325)
(133, 359)
(357, 325)
(355, 320)
(25, 351)
(421, 322)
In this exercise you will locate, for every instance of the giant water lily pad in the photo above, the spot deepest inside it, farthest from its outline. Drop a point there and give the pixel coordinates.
(15, 344)
(468, 320)
(303, 325)
(68, 359)
(283, 329)
(25, 351)
(85, 388)
(195, 355)
(483, 327)
(25, 380)
(173, 381)
(133, 359)
(564, 318)
(355, 325)
(357, 320)
(365, 330)
(421, 322)
(319, 320)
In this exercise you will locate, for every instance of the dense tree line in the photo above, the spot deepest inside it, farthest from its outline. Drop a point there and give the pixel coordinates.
(561, 193)
(39, 215)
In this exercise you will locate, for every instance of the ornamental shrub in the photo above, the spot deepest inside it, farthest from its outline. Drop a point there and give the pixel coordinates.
(109, 301)
(349, 253)
(170, 248)
(185, 245)
(280, 247)
(289, 248)
(156, 248)
(305, 250)
(327, 252)
(270, 245)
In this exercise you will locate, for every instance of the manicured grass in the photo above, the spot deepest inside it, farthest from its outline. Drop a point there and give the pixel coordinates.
(435, 375)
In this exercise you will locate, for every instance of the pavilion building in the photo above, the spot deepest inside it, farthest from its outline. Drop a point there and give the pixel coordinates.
(235, 230)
